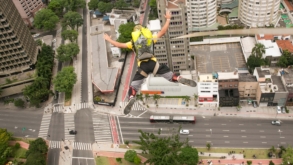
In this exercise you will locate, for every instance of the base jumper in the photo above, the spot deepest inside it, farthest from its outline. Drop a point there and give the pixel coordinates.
(142, 44)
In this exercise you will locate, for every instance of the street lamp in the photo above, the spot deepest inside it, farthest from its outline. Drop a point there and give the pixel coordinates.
(211, 131)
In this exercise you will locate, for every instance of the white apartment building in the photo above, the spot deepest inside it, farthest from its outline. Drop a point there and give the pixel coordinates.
(201, 13)
(27, 9)
(258, 13)
(208, 93)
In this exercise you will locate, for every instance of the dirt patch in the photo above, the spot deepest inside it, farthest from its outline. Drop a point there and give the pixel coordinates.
(112, 161)
(222, 20)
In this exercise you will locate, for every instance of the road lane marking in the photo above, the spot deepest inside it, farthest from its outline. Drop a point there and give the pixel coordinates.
(225, 136)
(283, 142)
(243, 136)
(226, 130)
(223, 124)
(191, 141)
(120, 130)
(262, 136)
(241, 124)
(245, 142)
(258, 124)
(264, 142)
(282, 137)
(243, 130)
(142, 113)
(206, 124)
(208, 135)
(190, 135)
(209, 141)
(261, 131)
(203, 117)
(227, 142)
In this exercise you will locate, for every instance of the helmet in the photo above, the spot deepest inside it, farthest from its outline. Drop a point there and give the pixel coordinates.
(137, 27)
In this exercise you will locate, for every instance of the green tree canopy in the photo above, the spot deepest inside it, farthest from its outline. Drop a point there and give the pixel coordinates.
(105, 6)
(36, 159)
(253, 62)
(70, 35)
(287, 156)
(188, 156)
(19, 103)
(5, 150)
(130, 155)
(283, 62)
(153, 3)
(67, 52)
(73, 5)
(45, 19)
(37, 146)
(65, 80)
(93, 4)
(57, 7)
(286, 59)
(136, 3)
(258, 50)
(72, 19)
(125, 31)
(162, 150)
(121, 4)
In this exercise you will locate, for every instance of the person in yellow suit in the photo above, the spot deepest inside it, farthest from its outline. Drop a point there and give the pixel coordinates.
(142, 44)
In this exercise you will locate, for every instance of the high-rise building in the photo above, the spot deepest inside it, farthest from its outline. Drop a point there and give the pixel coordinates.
(18, 50)
(201, 14)
(173, 52)
(258, 13)
(27, 9)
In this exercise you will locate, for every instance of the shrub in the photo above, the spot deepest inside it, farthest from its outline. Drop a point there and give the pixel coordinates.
(119, 160)
(19, 103)
(126, 142)
(130, 155)
(17, 146)
(137, 160)
(97, 98)
(249, 162)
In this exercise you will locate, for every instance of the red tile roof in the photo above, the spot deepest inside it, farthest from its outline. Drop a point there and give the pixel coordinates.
(285, 45)
(289, 5)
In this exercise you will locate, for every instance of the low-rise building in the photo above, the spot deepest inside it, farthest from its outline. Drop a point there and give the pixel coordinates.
(287, 78)
(208, 94)
(272, 51)
(122, 15)
(281, 94)
(228, 88)
(247, 87)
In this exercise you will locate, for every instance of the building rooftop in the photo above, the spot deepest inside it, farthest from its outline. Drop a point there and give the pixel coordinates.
(278, 82)
(270, 36)
(173, 4)
(231, 5)
(289, 5)
(285, 45)
(288, 79)
(271, 48)
(228, 75)
(262, 72)
(243, 77)
(248, 44)
(103, 76)
(154, 25)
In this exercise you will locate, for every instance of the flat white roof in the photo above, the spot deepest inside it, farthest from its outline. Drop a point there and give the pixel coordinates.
(248, 43)
(272, 48)
(154, 25)
(227, 75)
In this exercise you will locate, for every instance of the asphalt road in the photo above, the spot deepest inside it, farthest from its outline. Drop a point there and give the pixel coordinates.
(56, 128)
(84, 128)
(53, 156)
(219, 131)
(21, 123)
(84, 74)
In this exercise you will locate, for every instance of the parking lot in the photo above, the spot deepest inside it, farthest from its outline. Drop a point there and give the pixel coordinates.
(218, 57)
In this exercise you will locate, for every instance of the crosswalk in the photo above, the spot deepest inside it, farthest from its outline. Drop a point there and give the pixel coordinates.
(102, 129)
(43, 132)
(82, 146)
(81, 106)
(58, 108)
(69, 125)
(54, 144)
(136, 106)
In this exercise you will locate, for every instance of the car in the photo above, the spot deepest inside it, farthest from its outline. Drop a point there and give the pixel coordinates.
(279, 109)
(54, 40)
(184, 131)
(72, 132)
(254, 104)
(283, 110)
(276, 122)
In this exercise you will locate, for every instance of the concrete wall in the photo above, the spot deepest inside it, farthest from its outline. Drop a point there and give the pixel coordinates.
(280, 98)
(248, 90)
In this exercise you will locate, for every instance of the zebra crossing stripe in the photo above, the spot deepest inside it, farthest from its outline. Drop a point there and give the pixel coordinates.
(43, 132)
(55, 144)
(136, 106)
(82, 146)
(101, 127)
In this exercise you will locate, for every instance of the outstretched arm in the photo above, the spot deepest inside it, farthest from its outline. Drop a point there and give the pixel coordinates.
(165, 27)
(113, 42)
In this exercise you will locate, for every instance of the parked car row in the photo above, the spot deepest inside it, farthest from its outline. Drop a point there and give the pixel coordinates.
(281, 109)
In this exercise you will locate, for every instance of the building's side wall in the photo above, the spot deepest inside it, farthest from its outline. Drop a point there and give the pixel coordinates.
(248, 90)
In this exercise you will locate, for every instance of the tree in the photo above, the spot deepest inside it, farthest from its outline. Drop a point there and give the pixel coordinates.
(140, 97)
(271, 163)
(188, 156)
(161, 149)
(130, 155)
(153, 3)
(121, 4)
(187, 99)
(39, 42)
(19, 103)
(208, 145)
(105, 6)
(125, 31)
(249, 162)
(57, 7)
(73, 5)
(253, 62)
(65, 80)
(146, 96)
(37, 146)
(156, 98)
(136, 160)
(70, 35)
(287, 156)
(5, 150)
(283, 62)
(35, 159)
(93, 4)
(258, 50)
(282, 150)
(136, 3)
(45, 19)
(72, 19)
(67, 52)
(1, 90)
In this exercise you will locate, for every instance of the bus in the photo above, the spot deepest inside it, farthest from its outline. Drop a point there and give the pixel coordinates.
(172, 119)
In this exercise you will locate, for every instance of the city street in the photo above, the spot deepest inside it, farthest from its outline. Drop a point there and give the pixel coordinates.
(219, 131)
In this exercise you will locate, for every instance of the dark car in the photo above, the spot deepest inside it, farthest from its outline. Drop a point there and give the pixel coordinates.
(72, 132)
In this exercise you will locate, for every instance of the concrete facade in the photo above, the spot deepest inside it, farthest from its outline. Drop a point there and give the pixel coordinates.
(208, 94)
(228, 88)
(258, 13)
(27, 9)
(247, 87)
(176, 50)
(287, 79)
(18, 51)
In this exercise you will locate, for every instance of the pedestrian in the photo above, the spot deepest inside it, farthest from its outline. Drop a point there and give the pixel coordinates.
(142, 44)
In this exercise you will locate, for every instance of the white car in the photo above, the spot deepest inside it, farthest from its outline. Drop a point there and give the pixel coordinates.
(276, 122)
(279, 109)
(184, 131)
(36, 35)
